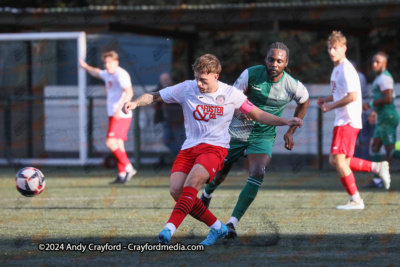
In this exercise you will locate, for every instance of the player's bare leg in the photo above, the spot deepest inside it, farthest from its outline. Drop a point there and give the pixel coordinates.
(342, 165)
(218, 179)
(187, 200)
(258, 164)
(177, 181)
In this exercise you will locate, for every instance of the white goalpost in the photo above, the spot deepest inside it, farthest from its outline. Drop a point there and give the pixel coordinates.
(80, 38)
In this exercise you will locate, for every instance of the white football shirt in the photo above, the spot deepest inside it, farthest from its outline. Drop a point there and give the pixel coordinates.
(344, 79)
(384, 82)
(207, 116)
(115, 84)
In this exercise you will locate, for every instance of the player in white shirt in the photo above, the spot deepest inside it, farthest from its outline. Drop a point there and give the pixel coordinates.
(119, 90)
(208, 106)
(347, 103)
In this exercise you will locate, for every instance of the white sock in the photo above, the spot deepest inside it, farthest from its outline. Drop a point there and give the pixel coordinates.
(233, 220)
(207, 195)
(171, 227)
(122, 174)
(217, 225)
(129, 168)
(377, 180)
(356, 197)
(376, 167)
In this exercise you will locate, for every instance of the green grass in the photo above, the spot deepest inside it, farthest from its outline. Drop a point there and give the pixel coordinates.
(293, 221)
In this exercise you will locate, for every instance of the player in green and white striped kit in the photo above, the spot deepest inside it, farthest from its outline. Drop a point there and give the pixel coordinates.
(270, 88)
(383, 105)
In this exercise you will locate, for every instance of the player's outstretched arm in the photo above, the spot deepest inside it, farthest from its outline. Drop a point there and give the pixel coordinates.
(269, 119)
(142, 101)
(95, 72)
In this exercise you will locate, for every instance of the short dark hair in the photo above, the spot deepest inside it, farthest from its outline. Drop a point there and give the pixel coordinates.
(383, 54)
(112, 54)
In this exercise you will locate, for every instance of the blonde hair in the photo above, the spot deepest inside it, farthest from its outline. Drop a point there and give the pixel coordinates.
(336, 37)
(207, 63)
(112, 54)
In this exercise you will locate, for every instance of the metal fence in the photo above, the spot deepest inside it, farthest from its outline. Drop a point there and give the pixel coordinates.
(46, 127)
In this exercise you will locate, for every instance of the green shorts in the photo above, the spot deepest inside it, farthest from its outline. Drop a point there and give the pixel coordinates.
(240, 148)
(386, 129)
(387, 134)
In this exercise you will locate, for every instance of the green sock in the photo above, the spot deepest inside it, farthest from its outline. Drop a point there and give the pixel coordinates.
(247, 196)
(210, 188)
(396, 154)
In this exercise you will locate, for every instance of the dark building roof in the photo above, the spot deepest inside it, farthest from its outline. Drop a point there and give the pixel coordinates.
(299, 15)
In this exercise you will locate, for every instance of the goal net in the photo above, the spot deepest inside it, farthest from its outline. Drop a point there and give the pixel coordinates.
(44, 107)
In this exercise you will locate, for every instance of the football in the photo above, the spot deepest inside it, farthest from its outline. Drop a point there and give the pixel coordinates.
(30, 181)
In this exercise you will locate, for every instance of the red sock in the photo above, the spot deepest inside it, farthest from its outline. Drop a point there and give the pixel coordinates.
(360, 165)
(121, 157)
(183, 206)
(121, 167)
(349, 183)
(201, 213)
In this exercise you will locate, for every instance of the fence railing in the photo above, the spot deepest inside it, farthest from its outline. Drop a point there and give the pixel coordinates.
(31, 136)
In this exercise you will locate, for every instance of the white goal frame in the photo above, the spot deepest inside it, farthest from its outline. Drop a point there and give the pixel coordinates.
(80, 38)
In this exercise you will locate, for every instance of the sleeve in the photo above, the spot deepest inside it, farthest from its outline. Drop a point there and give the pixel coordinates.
(351, 80)
(242, 82)
(103, 74)
(238, 97)
(301, 95)
(125, 80)
(174, 94)
(385, 83)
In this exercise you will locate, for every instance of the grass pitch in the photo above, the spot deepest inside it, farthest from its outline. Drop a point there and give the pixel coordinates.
(293, 221)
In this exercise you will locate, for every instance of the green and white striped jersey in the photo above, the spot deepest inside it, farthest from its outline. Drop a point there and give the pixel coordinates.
(381, 83)
(269, 96)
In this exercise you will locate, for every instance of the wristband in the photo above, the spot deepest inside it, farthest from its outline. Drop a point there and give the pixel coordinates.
(371, 103)
(246, 107)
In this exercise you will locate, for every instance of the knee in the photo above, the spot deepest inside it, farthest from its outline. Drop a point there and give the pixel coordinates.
(375, 148)
(258, 172)
(175, 193)
(332, 161)
(219, 178)
(110, 144)
(222, 174)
